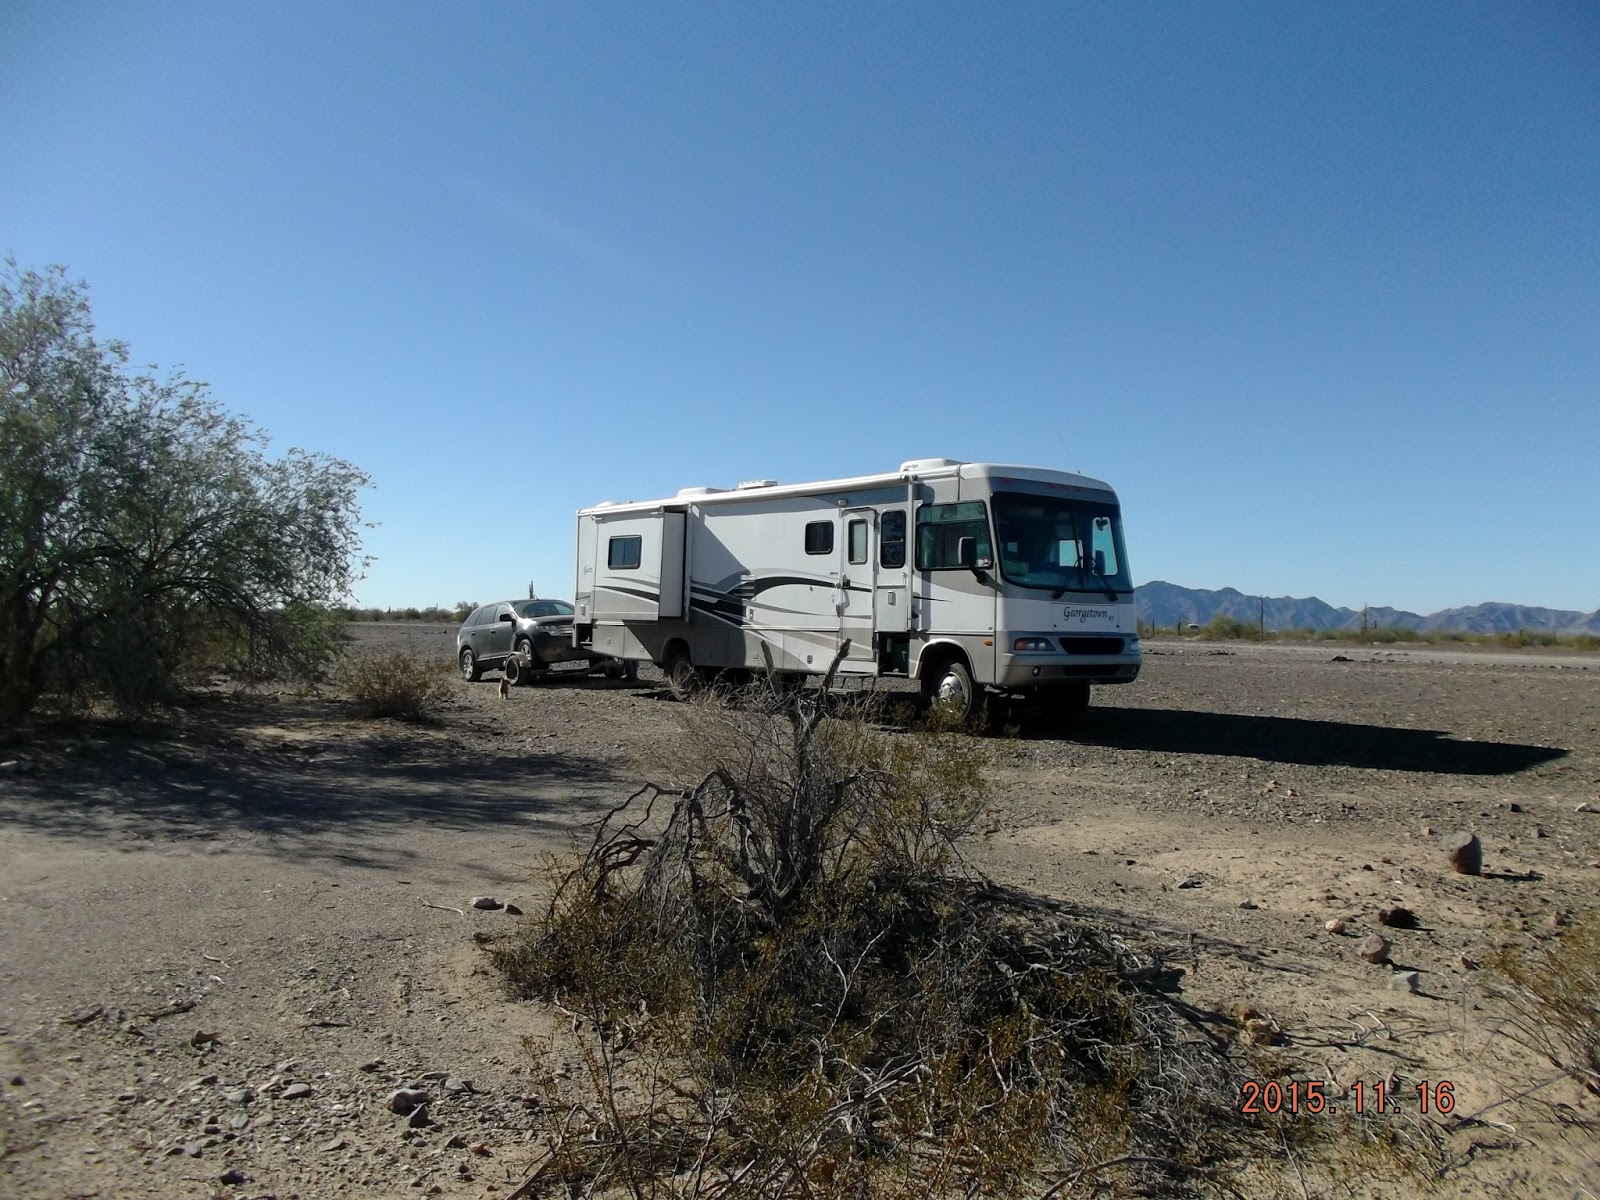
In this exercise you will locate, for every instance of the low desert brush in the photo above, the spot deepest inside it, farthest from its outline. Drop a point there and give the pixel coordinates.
(794, 988)
(394, 683)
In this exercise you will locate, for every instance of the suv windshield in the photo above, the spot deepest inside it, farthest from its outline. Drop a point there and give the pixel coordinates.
(543, 608)
(1063, 545)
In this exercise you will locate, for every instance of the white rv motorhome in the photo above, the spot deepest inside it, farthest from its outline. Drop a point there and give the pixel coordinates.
(965, 576)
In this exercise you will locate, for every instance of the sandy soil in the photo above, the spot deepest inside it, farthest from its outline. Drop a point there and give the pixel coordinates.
(224, 944)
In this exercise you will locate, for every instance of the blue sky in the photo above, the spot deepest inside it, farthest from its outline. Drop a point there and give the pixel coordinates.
(1316, 287)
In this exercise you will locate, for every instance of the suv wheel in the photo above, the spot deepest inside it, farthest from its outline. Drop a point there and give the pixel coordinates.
(470, 670)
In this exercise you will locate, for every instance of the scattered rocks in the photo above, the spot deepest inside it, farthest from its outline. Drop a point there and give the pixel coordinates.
(337, 1143)
(1404, 981)
(454, 1084)
(1397, 917)
(296, 1091)
(1191, 881)
(1374, 949)
(1248, 904)
(1513, 806)
(1466, 853)
(511, 910)
(240, 1095)
(204, 1037)
(233, 1177)
(419, 1118)
(1334, 926)
(371, 1065)
(487, 903)
(405, 1100)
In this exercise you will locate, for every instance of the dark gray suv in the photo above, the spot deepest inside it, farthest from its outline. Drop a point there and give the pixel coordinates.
(522, 637)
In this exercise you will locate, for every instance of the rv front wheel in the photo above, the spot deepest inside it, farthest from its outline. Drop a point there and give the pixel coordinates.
(951, 690)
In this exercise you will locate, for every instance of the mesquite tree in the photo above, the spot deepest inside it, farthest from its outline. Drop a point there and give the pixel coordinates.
(144, 533)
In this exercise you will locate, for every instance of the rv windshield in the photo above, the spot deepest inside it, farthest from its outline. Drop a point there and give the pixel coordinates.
(1059, 544)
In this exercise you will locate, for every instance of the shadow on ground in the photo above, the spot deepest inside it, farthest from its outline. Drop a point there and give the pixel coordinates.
(317, 794)
(1294, 740)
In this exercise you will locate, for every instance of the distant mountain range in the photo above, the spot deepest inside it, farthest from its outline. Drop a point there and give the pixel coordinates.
(1168, 604)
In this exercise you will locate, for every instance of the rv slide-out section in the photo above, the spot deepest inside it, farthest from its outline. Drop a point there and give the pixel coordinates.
(967, 576)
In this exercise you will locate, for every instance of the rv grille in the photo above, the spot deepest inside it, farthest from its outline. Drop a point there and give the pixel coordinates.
(1092, 645)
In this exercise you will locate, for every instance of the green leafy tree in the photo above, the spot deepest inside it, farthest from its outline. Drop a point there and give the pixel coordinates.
(144, 533)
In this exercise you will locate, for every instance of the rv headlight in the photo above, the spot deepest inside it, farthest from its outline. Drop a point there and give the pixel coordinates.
(1032, 643)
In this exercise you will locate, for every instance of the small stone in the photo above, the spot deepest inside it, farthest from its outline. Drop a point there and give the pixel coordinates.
(458, 1141)
(16, 766)
(1584, 806)
(454, 1084)
(240, 1095)
(1556, 920)
(17, 1081)
(126, 1097)
(192, 1149)
(1403, 981)
(1468, 964)
(1538, 832)
(419, 1118)
(1466, 853)
(233, 1177)
(1427, 831)
(511, 910)
(239, 1120)
(1374, 949)
(296, 1091)
(1192, 881)
(1397, 917)
(337, 1143)
(371, 1065)
(1513, 806)
(1248, 904)
(404, 1100)
(1334, 926)
(202, 1037)
(488, 903)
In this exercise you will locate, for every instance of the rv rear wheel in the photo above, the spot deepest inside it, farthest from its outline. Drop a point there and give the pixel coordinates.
(682, 678)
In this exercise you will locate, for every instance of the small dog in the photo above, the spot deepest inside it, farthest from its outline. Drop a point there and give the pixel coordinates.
(505, 688)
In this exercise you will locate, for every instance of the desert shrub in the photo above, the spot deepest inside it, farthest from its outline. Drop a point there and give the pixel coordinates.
(1224, 628)
(144, 533)
(796, 989)
(1553, 993)
(395, 683)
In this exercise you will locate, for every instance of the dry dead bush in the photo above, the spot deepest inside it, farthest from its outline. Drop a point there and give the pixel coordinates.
(1552, 992)
(394, 684)
(791, 987)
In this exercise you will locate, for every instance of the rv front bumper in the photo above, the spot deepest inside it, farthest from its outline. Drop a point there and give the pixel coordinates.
(1065, 661)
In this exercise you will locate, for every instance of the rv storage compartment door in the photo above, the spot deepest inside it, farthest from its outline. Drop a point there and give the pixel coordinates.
(638, 568)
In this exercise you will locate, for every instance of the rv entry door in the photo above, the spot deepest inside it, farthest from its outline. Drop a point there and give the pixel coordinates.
(857, 588)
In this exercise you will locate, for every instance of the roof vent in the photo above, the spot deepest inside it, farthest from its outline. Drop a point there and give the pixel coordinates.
(608, 504)
(916, 466)
(700, 491)
(756, 483)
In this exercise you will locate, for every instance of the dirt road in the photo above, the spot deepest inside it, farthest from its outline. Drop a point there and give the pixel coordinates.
(224, 946)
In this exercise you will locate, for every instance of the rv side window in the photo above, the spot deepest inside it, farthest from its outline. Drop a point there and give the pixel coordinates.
(892, 539)
(622, 553)
(858, 541)
(819, 537)
(940, 528)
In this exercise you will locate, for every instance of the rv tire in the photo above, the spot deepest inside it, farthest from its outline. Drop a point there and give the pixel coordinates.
(950, 689)
(683, 680)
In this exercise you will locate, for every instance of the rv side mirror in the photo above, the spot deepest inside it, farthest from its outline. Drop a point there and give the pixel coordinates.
(1100, 562)
(967, 552)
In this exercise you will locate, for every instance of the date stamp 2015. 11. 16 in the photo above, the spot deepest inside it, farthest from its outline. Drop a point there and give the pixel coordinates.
(1293, 1097)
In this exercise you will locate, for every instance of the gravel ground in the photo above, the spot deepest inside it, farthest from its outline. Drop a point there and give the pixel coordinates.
(226, 943)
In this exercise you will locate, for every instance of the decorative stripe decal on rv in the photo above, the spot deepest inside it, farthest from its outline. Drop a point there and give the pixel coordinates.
(642, 594)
